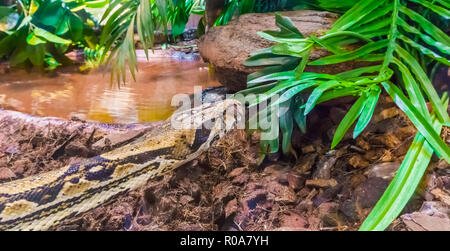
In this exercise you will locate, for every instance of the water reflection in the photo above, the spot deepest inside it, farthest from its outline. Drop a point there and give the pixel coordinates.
(91, 96)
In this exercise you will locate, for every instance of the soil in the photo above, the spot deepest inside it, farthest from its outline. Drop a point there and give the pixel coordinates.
(226, 188)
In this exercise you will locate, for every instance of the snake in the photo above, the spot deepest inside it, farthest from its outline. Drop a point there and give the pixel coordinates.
(45, 200)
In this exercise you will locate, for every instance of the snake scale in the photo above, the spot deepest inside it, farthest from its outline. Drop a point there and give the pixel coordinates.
(45, 200)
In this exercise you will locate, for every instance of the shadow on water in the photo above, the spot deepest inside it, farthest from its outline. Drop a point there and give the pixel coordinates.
(92, 97)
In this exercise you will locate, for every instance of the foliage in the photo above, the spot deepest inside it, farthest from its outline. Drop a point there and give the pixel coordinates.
(39, 32)
(403, 42)
(150, 15)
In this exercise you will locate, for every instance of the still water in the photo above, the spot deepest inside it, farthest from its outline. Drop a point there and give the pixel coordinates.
(91, 96)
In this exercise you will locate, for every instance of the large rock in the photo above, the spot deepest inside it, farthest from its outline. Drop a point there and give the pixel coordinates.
(227, 47)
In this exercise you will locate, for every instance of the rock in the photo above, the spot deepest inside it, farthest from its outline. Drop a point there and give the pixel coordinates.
(358, 162)
(323, 170)
(239, 38)
(369, 192)
(419, 221)
(295, 180)
(441, 195)
(384, 171)
(321, 183)
(306, 163)
(328, 214)
(241, 179)
(386, 114)
(293, 222)
(435, 208)
(348, 209)
(6, 174)
(236, 172)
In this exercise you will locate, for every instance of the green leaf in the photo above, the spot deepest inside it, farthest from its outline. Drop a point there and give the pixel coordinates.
(286, 126)
(367, 112)
(425, 50)
(348, 120)
(50, 37)
(293, 91)
(32, 39)
(435, 8)
(427, 26)
(422, 124)
(364, 50)
(425, 82)
(357, 13)
(273, 77)
(299, 113)
(404, 183)
(36, 54)
(315, 95)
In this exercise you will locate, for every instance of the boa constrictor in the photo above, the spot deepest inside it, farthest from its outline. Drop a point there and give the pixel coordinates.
(45, 200)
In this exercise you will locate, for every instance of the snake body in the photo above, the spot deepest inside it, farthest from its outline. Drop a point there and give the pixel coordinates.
(45, 200)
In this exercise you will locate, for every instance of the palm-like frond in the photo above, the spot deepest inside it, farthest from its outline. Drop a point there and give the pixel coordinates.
(147, 16)
(398, 37)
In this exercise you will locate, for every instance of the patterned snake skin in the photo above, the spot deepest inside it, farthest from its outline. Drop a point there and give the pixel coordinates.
(41, 201)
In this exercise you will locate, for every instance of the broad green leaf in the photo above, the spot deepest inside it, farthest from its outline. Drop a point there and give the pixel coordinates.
(445, 13)
(337, 93)
(348, 120)
(427, 26)
(427, 39)
(425, 50)
(315, 95)
(426, 84)
(299, 113)
(367, 112)
(413, 89)
(32, 39)
(358, 12)
(359, 71)
(49, 36)
(364, 50)
(403, 185)
(286, 126)
(293, 91)
(273, 77)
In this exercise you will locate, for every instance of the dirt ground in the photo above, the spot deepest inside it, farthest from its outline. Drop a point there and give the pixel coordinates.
(226, 189)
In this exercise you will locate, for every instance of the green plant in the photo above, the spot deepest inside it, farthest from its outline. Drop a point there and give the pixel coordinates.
(399, 38)
(148, 16)
(39, 32)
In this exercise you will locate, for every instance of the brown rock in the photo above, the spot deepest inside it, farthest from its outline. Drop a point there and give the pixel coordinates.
(240, 38)
(6, 174)
(441, 195)
(293, 222)
(358, 162)
(295, 180)
(386, 114)
(418, 221)
(236, 172)
(241, 179)
(306, 163)
(321, 183)
(385, 170)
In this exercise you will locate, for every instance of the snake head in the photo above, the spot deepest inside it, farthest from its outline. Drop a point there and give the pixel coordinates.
(210, 121)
